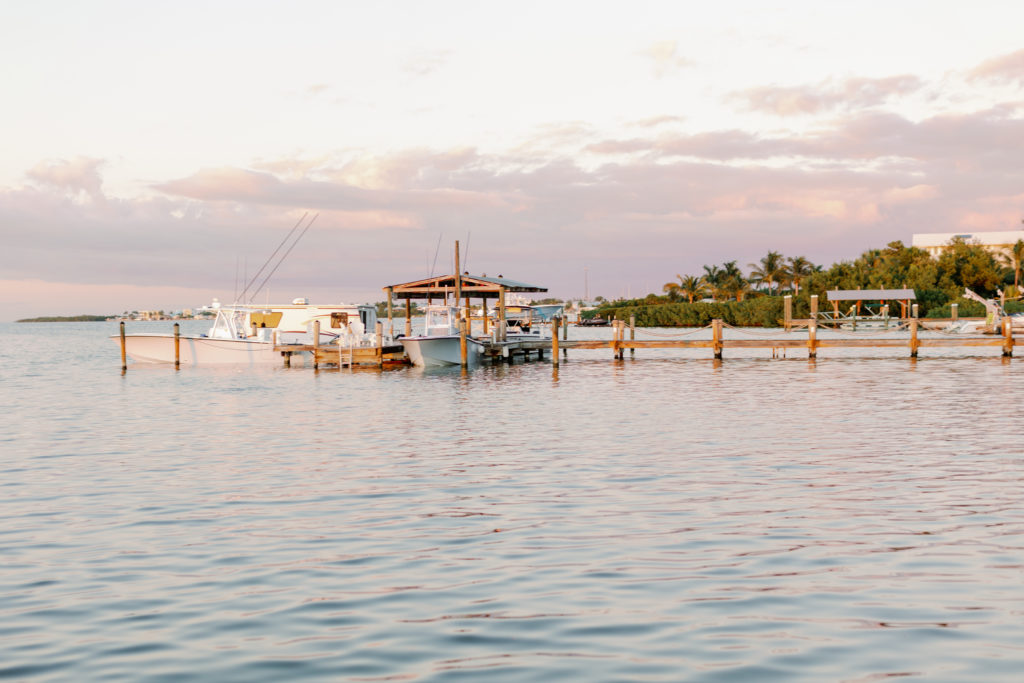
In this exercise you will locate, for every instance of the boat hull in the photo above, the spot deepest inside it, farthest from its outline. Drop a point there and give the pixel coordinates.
(429, 352)
(159, 348)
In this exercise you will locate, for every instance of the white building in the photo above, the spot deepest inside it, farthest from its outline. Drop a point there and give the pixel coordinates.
(936, 242)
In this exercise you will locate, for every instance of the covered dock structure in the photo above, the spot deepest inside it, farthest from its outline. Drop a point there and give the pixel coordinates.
(463, 288)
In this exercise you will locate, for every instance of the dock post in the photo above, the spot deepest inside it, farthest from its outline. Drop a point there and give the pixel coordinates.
(554, 339)
(177, 346)
(463, 347)
(124, 354)
(913, 337)
(1007, 337)
(787, 315)
(913, 311)
(408, 317)
(954, 312)
(316, 344)
(615, 339)
(812, 338)
(565, 336)
(380, 345)
(391, 313)
(716, 337)
(501, 323)
(814, 307)
(632, 333)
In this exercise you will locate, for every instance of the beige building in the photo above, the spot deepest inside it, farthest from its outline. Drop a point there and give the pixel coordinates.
(935, 242)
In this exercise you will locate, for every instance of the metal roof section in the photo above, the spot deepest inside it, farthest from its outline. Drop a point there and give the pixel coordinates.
(869, 294)
(473, 286)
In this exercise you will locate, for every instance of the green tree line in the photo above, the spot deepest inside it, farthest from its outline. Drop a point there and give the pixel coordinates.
(755, 297)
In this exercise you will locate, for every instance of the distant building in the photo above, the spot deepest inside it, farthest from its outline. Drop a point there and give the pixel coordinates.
(996, 242)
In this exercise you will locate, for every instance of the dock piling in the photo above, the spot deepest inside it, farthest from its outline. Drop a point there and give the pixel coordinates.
(716, 337)
(554, 340)
(1007, 338)
(913, 338)
(316, 344)
(177, 346)
(124, 354)
(463, 347)
(812, 338)
(380, 345)
(632, 333)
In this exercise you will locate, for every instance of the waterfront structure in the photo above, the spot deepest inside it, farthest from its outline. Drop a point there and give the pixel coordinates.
(997, 242)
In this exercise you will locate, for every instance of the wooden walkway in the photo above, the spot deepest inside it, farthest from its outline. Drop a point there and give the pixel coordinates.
(718, 343)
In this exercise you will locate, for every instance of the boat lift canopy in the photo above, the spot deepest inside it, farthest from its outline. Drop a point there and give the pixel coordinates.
(903, 296)
(870, 294)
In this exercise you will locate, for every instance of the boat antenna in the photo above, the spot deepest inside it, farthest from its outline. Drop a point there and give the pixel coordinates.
(270, 258)
(285, 255)
(437, 250)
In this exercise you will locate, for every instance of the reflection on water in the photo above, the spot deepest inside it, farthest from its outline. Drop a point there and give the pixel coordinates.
(664, 518)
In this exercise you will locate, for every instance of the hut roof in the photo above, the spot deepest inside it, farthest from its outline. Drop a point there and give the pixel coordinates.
(869, 294)
(473, 286)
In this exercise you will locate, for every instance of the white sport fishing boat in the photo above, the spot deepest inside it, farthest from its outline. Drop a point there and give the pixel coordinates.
(253, 335)
(440, 344)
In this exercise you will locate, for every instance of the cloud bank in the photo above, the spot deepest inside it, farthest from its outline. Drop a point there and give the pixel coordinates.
(632, 210)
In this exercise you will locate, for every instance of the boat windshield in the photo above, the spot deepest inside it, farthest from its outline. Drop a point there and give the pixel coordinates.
(439, 320)
(230, 323)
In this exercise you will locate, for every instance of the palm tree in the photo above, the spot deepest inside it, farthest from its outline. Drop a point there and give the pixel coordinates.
(693, 287)
(799, 268)
(732, 281)
(769, 270)
(713, 278)
(672, 289)
(1014, 259)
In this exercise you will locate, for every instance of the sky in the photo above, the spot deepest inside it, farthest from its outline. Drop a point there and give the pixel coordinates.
(154, 155)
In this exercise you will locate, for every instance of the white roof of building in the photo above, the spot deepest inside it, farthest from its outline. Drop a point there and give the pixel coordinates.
(941, 239)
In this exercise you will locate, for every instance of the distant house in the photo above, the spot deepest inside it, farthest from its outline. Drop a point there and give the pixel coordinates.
(996, 242)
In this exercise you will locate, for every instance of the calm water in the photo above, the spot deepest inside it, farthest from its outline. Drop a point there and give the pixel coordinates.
(665, 518)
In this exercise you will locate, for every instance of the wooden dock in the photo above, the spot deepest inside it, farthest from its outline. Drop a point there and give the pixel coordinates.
(346, 356)
(811, 342)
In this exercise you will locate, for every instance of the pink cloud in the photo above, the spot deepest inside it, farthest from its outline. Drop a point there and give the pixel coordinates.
(76, 175)
(1008, 67)
(853, 93)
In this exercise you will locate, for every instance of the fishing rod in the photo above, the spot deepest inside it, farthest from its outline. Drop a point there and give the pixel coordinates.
(281, 260)
(267, 262)
(437, 250)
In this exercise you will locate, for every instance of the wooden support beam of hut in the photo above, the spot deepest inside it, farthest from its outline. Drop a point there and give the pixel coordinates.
(391, 321)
